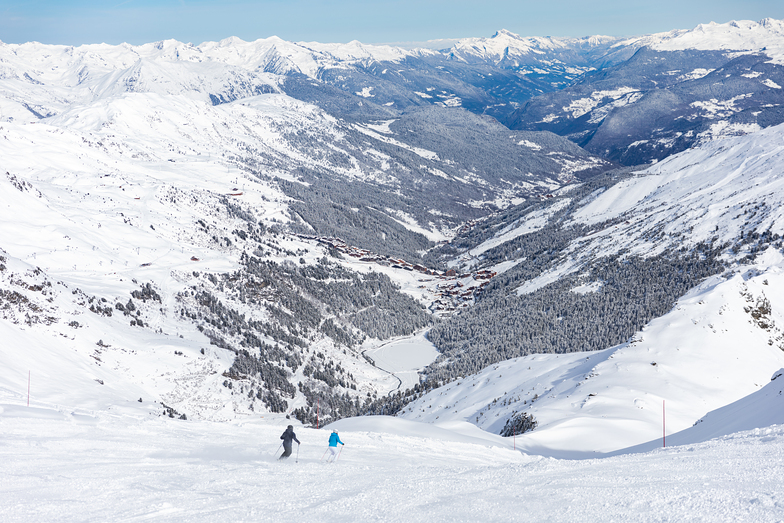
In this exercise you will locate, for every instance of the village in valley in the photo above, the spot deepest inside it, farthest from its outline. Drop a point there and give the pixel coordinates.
(451, 290)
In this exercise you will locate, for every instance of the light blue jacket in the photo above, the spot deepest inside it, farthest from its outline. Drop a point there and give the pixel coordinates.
(334, 439)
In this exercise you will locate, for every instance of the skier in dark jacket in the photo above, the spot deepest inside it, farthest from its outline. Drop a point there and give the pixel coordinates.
(287, 438)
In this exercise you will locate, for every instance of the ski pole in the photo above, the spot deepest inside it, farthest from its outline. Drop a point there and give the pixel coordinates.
(276, 450)
(325, 453)
(341, 450)
(296, 460)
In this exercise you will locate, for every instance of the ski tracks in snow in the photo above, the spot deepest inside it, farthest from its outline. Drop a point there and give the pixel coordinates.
(59, 467)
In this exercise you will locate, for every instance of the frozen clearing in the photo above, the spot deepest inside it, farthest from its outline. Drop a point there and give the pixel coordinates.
(404, 358)
(57, 466)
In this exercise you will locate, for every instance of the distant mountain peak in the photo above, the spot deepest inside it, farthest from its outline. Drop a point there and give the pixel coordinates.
(735, 35)
(507, 33)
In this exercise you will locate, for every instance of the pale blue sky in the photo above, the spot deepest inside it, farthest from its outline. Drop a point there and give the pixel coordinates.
(370, 21)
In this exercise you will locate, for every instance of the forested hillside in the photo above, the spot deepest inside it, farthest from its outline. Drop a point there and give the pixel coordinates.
(590, 266)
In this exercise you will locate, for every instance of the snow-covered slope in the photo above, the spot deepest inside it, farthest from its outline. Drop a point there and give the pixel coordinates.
(743, 36)
(721, 193)
(667, 92)
(589, 265)
(720, 343)
(64, 465)
(564, 263)
(130, 195)
(727, 193)
(756, 412)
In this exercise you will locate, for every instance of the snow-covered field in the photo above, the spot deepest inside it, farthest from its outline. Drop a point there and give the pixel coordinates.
(60, 466)
(404, 358)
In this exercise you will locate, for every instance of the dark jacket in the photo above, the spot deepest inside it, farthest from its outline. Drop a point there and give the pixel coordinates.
(288, 436)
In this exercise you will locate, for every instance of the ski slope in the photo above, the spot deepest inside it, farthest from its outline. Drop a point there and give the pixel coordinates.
(61, 465)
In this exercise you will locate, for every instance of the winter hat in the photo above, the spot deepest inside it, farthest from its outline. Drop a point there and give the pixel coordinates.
(290, 427)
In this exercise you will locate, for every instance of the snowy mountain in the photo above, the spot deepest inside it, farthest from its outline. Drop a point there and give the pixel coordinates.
(559, 59)
(675, 90)
(204, 244)
(590, 266)
(744, 36)
(304, 231)
(602, 93)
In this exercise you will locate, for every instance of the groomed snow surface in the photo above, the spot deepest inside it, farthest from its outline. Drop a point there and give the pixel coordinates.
(61, 466)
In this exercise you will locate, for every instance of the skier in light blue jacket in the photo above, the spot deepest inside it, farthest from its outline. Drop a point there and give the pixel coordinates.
(334, 439)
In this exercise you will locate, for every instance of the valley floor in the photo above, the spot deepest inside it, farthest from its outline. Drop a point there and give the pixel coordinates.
(404, 358)
(60, 466)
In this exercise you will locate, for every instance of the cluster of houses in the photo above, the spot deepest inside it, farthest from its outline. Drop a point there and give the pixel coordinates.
(459, 290)
(368, 256)
(453, 290)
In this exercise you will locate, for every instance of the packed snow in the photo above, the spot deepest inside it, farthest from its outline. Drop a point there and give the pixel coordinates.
(63, 465)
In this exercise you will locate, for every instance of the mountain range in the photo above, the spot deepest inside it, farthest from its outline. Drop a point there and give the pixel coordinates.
(241, 229)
